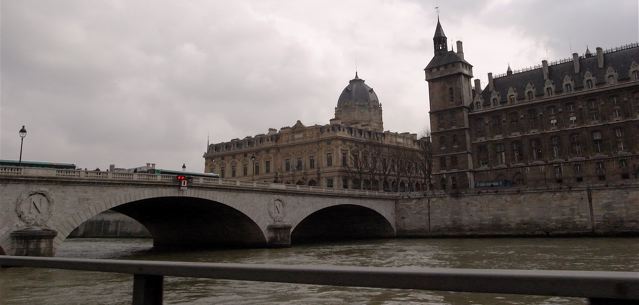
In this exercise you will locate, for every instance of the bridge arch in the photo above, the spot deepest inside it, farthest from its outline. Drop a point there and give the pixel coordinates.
(342, 222)
(178, 221)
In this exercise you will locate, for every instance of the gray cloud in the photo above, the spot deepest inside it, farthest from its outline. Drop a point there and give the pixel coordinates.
(129, 82)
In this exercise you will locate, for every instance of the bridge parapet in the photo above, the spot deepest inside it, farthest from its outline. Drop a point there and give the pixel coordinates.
(79, 175)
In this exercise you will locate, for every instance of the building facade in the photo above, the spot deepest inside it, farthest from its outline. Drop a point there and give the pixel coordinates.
(569, 122)
(352, 151)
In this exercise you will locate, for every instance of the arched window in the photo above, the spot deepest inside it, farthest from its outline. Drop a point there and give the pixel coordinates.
(548, 91)
(589, 83)
(495, 102)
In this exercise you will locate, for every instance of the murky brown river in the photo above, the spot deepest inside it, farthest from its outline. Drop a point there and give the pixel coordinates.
(42, 286)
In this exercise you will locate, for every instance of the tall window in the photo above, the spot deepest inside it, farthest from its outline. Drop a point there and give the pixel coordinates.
(556, 147)
(536, 151)
(575, 144)
(593, 108)
(597, 141)
(512, 99)
(635, 74)
(496, 124)
(482, 155)
(451, 96)
(311, 162)
(442, 162)
(589, 83)
(600, 169)
(619, 139)
(267, 166)
(299, 166)
(578, 172)
(344, 159)
(558, 173)
(455, 142)
(345, 182)
(287, 165)
(501, 153)
(329, 159)
(233, 170)
(222, 172)
(517, 157)
(245, 169)
(514, 121)
(532, 119)
(256, 170)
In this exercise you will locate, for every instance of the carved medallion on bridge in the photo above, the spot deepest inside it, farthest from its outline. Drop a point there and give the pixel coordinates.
(276, 210)
(34, 208)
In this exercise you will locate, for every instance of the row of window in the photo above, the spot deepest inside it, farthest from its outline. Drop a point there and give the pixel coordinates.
(549, 88)
(536, 151)
(591, 111)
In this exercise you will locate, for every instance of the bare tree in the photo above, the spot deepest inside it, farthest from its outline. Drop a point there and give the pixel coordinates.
(425, 159)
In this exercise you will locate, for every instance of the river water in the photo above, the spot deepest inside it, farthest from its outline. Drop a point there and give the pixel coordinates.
(42, 286)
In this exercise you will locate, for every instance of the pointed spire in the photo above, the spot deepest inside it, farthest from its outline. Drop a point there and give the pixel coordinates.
(509, 71)
(356, 76)
(588, 54)
(439, 31)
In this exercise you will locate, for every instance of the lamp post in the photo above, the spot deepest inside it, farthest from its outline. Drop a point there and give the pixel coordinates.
(22, 133)
(253, 164)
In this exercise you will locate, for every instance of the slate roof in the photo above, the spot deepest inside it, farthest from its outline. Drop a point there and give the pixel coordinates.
(620, 61)
(357, 93)
(439, 31)
(444, 59)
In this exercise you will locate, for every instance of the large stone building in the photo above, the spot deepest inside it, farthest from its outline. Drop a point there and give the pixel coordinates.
(573, 121)
(352, 151)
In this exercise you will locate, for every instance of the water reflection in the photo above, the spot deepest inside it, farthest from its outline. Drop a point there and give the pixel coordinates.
(40, 286)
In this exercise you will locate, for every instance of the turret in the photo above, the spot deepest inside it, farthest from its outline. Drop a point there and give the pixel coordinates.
(439, 40)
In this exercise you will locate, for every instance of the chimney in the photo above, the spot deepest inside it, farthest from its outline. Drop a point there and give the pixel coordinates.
(153, 165)
(148, 165)
(460, 49)
(600, 58)
(544, 65)
(477, 86)
(111, 167)
(491, 85)
(575, 62)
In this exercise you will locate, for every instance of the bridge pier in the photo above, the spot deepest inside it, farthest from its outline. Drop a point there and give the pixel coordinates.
(278, 235)
(33, 242)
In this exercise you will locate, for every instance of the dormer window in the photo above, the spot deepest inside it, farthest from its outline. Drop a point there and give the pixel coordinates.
(548, 91)
(568, 88)
(511, 98)
(611, 76)
(530, 95)
(635, 74)
(495, 102)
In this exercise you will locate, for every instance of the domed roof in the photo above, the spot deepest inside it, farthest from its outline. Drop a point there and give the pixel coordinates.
(357, 93)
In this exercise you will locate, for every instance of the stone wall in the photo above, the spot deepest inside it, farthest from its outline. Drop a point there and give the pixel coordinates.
(110, 224)
(596, 211)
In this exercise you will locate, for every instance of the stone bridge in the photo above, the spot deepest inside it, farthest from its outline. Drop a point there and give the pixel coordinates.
(40, 207)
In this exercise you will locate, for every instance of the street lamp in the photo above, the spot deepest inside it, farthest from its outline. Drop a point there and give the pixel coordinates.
(22, 133)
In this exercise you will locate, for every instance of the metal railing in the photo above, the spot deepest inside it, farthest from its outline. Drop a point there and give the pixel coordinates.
(599, 287)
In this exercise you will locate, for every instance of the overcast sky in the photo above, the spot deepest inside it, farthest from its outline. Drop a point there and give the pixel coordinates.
(130, 82)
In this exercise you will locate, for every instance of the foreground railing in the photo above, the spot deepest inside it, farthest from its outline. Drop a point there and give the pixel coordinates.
(599, 287)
